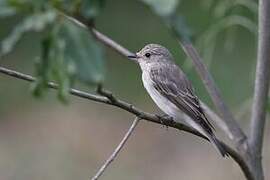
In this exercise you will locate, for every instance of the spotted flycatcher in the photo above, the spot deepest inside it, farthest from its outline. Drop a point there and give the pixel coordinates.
(172, 91)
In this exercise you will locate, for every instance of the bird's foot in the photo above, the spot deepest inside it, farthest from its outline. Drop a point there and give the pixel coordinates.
(164, 116)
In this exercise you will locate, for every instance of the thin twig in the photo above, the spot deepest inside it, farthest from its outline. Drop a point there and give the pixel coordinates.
(232, 125)
(261, 87)
(139, 113)
(110, 43)
(83, 22)
(106, 99)
(117, 149)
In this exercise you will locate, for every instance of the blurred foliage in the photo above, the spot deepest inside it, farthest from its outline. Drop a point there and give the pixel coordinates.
(67, 52)
(167, 11)
(224, 15)
(163, 8)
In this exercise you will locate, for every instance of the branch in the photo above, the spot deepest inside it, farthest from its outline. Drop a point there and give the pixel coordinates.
(117, 150)
(139, 113)
(261, 85)
(262, 78)
(84, 23)
(106, 98)
(232, 125)
(110, 43)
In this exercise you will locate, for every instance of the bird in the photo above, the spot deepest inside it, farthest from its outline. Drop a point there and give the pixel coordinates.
(172, 92)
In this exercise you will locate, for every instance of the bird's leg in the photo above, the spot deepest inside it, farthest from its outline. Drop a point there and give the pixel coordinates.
(164, 116)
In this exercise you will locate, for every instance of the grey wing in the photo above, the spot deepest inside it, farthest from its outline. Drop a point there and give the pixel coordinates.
(172, 83)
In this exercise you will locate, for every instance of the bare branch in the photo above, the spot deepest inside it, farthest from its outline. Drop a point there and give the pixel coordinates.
(139, 113)
(262, 78)
(110, 43)
(83, 22)
(232, 125)
(106, 98)
(261, 86)
(117, 150)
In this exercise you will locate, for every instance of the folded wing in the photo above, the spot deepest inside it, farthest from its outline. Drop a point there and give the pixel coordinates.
(172, 83)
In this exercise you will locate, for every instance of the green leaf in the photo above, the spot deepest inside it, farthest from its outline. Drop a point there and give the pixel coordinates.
(36, 22)
(84, 52)
(43, 65)
(52, 65)
(163, 8)
(68, 52)
(60, 70)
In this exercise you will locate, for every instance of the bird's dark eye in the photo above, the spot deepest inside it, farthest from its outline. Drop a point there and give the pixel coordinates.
(147, 55)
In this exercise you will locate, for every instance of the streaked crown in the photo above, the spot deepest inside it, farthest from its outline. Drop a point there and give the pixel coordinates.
(154, 52)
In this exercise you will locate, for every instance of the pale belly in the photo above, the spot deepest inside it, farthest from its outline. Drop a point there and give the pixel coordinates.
(167, 107)
(163, 103)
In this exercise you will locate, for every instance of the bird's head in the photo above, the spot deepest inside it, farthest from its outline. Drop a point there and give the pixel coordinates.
(152, 53)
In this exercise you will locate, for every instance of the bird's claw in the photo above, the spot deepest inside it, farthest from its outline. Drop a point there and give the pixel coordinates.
(164, 116)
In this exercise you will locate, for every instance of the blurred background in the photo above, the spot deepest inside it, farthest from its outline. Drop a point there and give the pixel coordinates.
(42, 138)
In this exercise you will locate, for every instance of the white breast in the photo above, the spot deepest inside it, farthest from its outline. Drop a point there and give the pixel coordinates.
(163, 103)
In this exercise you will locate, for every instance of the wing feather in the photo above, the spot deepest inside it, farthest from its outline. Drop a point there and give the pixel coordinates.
(172, 83)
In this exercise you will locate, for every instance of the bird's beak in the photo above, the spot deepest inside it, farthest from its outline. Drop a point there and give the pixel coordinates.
(133, 56)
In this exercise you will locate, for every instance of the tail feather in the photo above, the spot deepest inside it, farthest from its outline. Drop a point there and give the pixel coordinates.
(207, 131)
(218, 145)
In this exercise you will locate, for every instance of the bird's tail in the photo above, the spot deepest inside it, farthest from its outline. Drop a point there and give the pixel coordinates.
(208, 132)
(218, 145)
